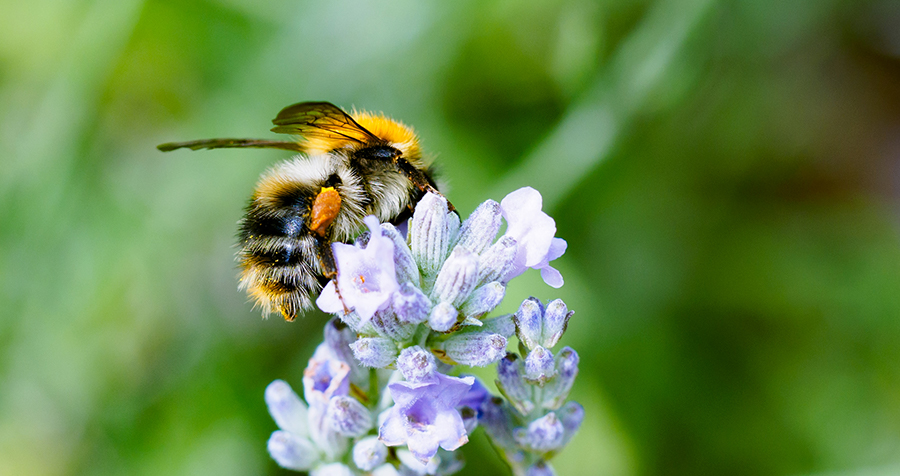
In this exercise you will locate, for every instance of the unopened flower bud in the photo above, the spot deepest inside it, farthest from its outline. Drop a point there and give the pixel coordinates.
(292, 452)
(386, 469)
(502, 325)
(476, 396)
(541, 468)
(475, 349)
(451, 462)
(418, 467)
(571, 415)
(479, 230)
(457, 277)
(544, 434)
(404, 264)
(494, 263)
(469, 418)
(387, 324)
(484, 299)
(430, 233)
(539, 366)
(556, 318)
(369, 453)
(378, 352)
(443, 317)
(286, 408)
(529, 322)
(410, 305)
(338, 337)
(332, 469)
(348, 417)
(416, 364)
(567, 369)
(495, 419)
(511, 383)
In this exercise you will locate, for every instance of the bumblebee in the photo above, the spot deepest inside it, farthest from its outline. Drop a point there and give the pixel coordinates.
(349, 166)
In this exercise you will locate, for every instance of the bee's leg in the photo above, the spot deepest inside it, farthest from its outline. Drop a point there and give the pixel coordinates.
(419, 179)
(322, 214)
(329, 269)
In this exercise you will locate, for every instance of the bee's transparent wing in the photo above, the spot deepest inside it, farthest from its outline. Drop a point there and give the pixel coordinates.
(231, 143)
(320, 120)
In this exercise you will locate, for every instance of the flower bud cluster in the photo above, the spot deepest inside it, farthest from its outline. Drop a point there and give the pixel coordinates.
(408, 310)
(533, 421)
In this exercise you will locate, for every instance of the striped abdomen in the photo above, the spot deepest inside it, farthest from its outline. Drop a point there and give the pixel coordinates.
(279, 256)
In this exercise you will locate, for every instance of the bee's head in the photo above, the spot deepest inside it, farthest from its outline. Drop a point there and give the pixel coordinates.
(397, 134)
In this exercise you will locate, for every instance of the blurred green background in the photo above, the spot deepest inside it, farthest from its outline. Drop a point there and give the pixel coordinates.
(727, 175)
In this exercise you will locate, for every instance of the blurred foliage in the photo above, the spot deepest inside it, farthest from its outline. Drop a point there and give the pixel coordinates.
(726, 174)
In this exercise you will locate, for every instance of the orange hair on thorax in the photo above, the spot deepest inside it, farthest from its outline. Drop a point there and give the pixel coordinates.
(394, 132)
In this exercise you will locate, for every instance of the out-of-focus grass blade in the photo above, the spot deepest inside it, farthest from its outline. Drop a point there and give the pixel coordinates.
(589, 130)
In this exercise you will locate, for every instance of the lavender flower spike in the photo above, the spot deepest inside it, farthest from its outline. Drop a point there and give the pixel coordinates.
(424, 416)
(366, 277)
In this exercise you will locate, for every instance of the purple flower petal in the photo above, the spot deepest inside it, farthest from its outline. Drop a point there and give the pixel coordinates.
(424, 415)
(328, 300)
(366, 276)
(391, 430)
(532, 228)
(324, 379)
(533, 231)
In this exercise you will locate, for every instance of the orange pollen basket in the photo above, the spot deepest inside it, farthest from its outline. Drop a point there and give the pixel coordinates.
(324, 210)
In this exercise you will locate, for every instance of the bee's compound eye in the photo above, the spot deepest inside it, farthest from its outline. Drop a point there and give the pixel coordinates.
(380, 152)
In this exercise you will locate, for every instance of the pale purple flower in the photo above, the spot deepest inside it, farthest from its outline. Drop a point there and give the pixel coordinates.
(424, 415)
(323, 379)
(533, 231)
(366, 276)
